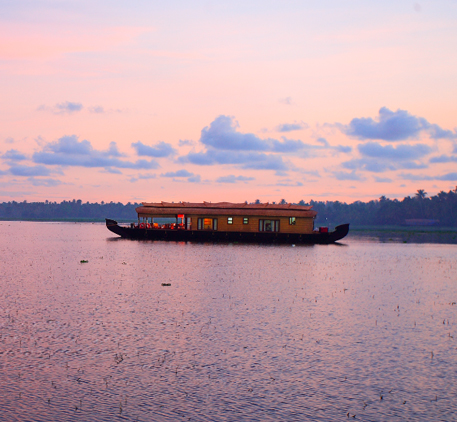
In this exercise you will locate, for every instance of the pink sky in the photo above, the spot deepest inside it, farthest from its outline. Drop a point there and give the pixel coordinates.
(207, 100)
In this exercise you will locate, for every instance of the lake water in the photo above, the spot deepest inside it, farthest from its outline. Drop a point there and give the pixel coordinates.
(242, 333)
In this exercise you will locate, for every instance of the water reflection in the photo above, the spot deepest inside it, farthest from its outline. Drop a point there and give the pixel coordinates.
(407, 235)
(243, 332)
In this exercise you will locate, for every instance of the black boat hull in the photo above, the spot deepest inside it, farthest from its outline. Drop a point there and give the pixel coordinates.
(221, 236)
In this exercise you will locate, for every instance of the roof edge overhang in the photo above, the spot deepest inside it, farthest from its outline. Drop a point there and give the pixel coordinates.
(151, 211)
(226, 205)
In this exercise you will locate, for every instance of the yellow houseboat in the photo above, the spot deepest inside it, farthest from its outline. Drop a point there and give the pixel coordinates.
(225, 221)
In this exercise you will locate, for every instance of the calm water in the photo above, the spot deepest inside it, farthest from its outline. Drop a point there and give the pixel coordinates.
(244, 332)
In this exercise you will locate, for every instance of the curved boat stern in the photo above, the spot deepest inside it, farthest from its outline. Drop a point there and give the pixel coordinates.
(113, 226)
(340, 231)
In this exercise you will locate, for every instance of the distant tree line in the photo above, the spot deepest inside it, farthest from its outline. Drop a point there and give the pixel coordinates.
(67, 210)
(440, 210)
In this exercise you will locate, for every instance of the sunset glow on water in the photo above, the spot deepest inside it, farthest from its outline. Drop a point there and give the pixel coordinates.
(243, 332)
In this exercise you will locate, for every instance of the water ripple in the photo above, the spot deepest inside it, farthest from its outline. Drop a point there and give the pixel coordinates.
(243, 332)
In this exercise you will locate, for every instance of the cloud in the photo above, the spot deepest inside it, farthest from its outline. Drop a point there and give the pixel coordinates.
(222, 134)
(147, 176)
(62, 108)
(339, 148)
(20, 170)
(394, 126)
(143, 177)
(179, 173)
(324, 142)
(233, 179)
(379, 165)
(287, 145)
(411, 165)
(71, 145)
(113, 151)
(13, 155)
(191, 177)
(448, 177)
(265, 162)
(161, 149)
(343, 148)
(111, 170)
(444, 159)
(382, 180)
(69, 107)
(186, 142)
(194, 179)
(341, 175)
(90, 162)
(289, 183)
(44, 182)
(226, 145)
(68, 151)
(289, 127)
(378, 158)
(399, 153)
(246, 149)
(414, 177)
(97, 109)
(368, 164)
(248, 160)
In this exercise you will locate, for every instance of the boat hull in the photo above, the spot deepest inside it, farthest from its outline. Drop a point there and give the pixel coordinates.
(224, 236)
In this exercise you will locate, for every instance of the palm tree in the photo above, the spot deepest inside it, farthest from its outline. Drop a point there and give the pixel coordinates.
(421, 194)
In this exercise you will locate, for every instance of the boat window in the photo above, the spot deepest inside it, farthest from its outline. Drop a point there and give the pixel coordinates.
(269, 225)
(292, 221)
(205, 224)
(230, 220)
(245, 220)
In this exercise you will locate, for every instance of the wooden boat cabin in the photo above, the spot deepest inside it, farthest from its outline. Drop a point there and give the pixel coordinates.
(227, 217)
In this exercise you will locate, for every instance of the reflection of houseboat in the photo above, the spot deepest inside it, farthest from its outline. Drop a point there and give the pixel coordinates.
(224, 221)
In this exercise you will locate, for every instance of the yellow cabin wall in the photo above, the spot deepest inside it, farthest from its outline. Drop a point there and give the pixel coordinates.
(302, 224)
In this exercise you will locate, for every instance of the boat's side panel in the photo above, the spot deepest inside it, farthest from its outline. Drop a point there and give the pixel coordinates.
(238, 224)
(301, 225)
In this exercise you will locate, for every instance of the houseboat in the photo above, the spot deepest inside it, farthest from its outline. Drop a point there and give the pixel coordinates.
(228, 222)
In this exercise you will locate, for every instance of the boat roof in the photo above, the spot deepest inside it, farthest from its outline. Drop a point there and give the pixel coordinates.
(225, 208)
